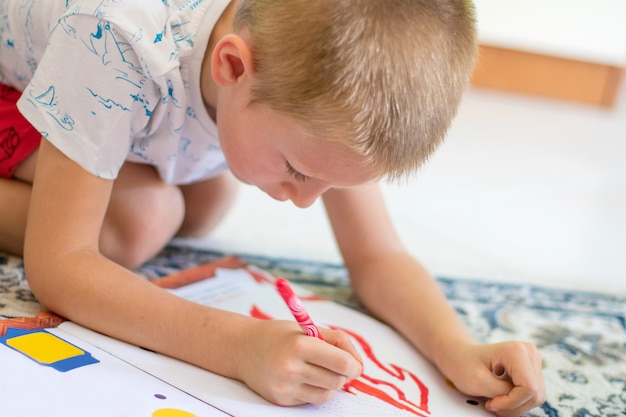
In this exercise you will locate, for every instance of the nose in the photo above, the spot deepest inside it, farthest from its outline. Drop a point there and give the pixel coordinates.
(303, 194)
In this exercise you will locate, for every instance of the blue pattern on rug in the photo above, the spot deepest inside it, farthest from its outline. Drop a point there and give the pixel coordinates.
(581, 335)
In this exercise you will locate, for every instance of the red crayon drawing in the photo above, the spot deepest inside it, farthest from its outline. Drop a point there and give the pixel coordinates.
(197, 273)
(369, 385)
(257, 313)
(387, 391)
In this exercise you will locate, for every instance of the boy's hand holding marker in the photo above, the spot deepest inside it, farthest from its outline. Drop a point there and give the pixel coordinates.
(289, 369)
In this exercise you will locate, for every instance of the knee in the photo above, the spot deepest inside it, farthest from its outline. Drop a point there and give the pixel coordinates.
(206, 204)
(141, 227)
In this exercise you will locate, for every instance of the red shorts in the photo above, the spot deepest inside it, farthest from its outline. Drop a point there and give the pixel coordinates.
(18, 138)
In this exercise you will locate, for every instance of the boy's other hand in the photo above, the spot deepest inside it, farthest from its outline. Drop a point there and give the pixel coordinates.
(474, 370)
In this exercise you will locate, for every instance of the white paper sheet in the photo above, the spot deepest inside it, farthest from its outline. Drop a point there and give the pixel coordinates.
(397, 381)
(103, 387)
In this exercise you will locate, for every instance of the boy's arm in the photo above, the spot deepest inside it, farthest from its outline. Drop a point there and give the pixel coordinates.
(396, 288)
(69, 275)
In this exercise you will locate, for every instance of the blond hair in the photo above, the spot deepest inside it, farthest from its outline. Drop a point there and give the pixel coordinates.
(384, 77)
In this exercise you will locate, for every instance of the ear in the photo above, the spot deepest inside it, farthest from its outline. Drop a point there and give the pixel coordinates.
(231, 60)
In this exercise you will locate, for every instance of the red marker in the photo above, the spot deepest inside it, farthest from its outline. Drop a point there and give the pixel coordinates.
(297, 309)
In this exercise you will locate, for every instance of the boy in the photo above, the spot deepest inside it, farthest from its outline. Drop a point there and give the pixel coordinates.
(143, 105)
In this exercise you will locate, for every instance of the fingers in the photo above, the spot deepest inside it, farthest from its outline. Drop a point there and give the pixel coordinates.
(517, 402)
(334, 361)
(319, 385)
(314, 385)
(297, 369)
(508, 373)
(343, 364)
(304, 394)
(307, 382)
(523, 370)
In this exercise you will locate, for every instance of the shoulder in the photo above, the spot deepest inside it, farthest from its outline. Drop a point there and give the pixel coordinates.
(131, 30)
(124, 14)
(141, 12)
(111, 8)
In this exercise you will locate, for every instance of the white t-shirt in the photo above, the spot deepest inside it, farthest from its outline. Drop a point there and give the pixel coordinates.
(108, 81)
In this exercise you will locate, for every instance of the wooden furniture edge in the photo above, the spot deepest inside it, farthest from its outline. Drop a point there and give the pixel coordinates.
(549, 76)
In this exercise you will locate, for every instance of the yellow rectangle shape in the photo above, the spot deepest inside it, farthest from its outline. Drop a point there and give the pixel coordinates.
(44, 347)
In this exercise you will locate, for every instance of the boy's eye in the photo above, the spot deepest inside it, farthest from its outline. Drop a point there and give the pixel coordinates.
(291, 171)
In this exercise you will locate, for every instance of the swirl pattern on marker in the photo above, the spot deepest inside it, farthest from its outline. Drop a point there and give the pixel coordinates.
(301, 316)
(297, 309)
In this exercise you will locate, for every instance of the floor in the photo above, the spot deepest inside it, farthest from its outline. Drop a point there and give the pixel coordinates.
(524, 189)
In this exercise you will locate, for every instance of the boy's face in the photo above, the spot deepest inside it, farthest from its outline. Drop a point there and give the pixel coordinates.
(268, 150)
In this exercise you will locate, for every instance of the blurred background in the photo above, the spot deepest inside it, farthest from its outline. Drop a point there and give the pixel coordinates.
(530, 184)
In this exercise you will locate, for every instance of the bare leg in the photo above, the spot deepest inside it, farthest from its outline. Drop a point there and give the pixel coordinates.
(144, 213)
(14, 201)
(207, 203)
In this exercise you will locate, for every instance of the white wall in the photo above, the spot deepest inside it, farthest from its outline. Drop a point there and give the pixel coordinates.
(585, 30)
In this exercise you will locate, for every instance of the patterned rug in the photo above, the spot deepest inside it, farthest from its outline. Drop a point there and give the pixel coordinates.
(581, 335)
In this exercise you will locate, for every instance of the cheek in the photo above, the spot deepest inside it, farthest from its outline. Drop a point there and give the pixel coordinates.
(247, 163)
(233, 147)
(250, 154)
(231, 150)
